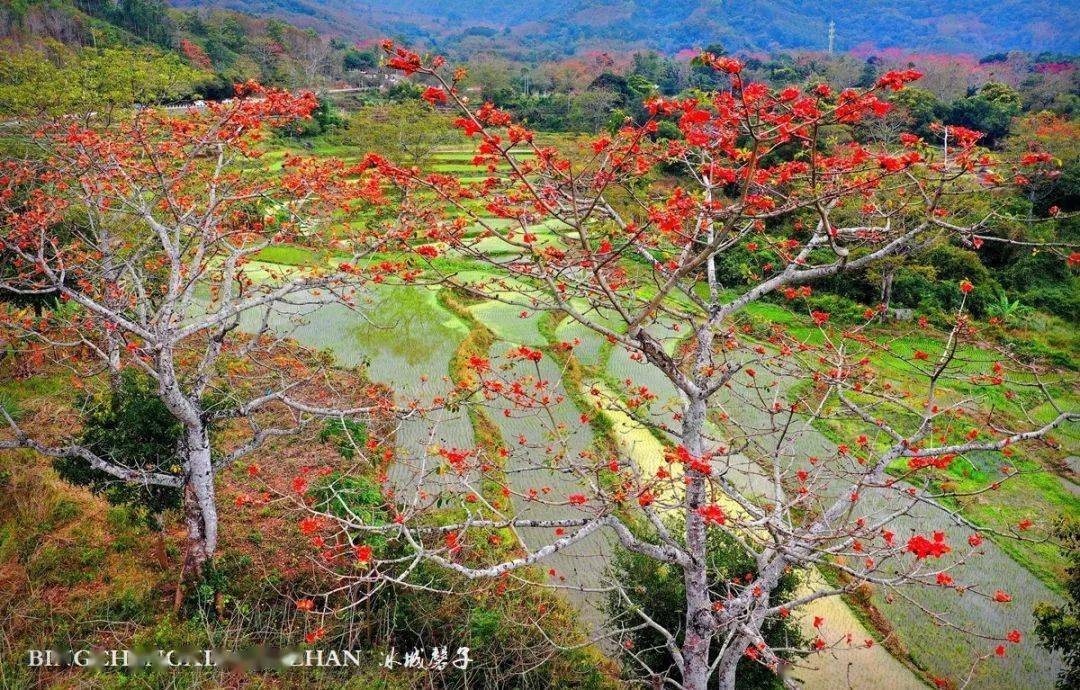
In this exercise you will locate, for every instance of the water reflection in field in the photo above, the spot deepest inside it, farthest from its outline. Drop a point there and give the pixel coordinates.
(405, 340)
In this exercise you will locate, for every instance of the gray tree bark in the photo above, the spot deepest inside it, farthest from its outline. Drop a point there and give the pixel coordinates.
(200, 509)
(700, 624)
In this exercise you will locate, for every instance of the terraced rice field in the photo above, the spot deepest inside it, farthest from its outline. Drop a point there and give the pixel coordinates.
(942, 650)
(400, 336)
(579, 567)
(424, 337)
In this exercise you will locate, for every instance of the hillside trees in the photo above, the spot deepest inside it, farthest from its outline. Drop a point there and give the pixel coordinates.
(147, 19)
(407, 132)
(56, 80)
(142, 234)
(607, 244)
(1059, 626)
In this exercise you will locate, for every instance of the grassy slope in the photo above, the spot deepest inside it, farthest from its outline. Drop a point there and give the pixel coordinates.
(76, 572)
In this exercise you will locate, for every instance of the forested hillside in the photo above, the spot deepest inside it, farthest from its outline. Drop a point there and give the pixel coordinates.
(569, 26)
(153, 52)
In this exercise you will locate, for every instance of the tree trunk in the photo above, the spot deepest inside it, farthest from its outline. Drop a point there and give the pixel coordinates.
(197, 551)
(700, 624)
(729, 662)
(200, 509)
(886, 287)
(727, 675)
(160, 554)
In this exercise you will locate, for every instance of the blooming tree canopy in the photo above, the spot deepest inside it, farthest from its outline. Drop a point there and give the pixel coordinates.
(143, 237)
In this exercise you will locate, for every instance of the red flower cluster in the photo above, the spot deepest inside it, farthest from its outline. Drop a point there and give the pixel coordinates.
(721, 63)
(401, 59)
(896, 79)
(941, 462)
(433, 95)
(456, 457)
(713, 514)
(925, 548)
(529, 354)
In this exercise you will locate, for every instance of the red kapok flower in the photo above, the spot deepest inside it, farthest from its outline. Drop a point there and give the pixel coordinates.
(433, 95)
(309, 525)
(304, 604)
(712, 513)
(924, 548)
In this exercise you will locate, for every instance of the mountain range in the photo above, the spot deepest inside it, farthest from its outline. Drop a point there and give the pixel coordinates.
(556, 28)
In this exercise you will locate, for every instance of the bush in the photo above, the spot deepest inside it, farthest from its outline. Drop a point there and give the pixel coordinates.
(659, 590)
(346, 435)
(130, 427)
(840, 309)
(915, 288)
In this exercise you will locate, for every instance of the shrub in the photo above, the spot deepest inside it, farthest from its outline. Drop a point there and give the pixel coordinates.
(839, 308)
(346, 435)
(130, 427)
(661, 591)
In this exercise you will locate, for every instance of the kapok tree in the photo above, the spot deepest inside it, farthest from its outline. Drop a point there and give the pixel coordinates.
(622, 241)
(142, 235)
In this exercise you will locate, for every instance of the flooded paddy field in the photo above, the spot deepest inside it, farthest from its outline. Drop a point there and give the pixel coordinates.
(404, 334)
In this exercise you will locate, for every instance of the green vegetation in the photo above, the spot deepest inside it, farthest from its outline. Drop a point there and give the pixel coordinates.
(54, 535)
(59, 80)
(662, 591)
(346, 434)
(290, 255)
(129, 426)
(1059, 626)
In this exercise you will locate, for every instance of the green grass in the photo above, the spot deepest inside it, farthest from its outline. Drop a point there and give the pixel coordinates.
(291, 255)
(465, 167)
